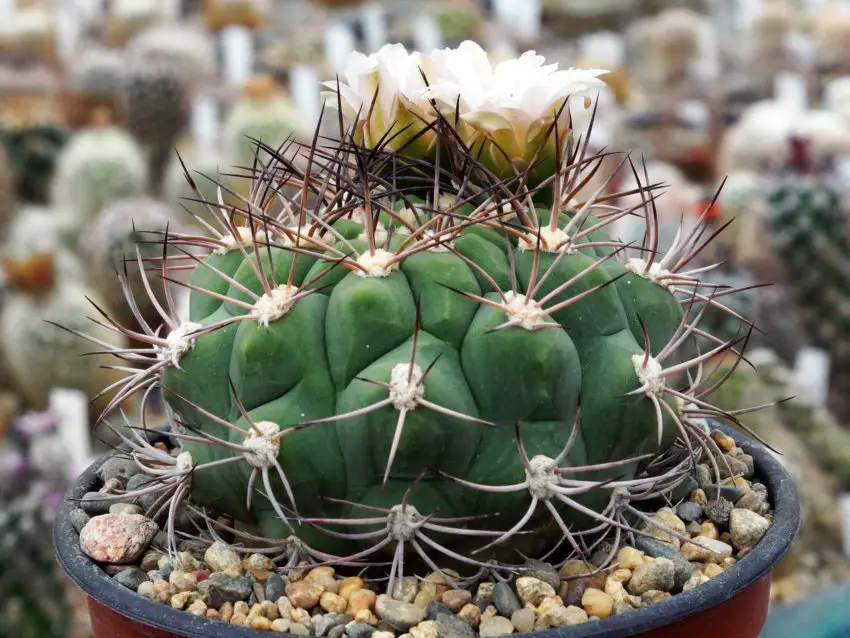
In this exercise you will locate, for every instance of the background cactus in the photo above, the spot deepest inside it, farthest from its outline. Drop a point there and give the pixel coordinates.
(8, 197)
(348, 369)
(811, 240)
(101, 164)
(111, 244)
(94, 82)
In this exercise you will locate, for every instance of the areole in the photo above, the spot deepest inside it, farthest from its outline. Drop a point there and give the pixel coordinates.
(733, 604)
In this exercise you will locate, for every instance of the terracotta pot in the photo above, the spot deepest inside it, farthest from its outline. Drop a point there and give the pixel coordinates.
(734, 604)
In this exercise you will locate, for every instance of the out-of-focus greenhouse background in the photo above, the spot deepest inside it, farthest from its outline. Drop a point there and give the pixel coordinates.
(98, 97)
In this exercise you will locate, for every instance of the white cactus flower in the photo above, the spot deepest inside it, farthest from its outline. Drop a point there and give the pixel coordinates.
(383, 92)
(509, 107)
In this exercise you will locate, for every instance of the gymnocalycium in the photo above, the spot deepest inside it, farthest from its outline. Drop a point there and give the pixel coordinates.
(402, 352)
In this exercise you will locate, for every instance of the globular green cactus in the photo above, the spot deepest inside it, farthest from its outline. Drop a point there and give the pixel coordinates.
(376, 373)
(369, 377)
(811, 239)
(263, 113)
(122, 233)
(100, 165)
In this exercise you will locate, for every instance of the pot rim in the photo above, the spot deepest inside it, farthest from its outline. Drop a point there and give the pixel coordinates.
(89, 577)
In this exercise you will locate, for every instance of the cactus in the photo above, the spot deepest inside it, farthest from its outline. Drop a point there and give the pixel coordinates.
(811, 239)
(219, 14)
(264, 113)
(101, 164)
(94, 82)
(119, 234)
(188, 47)
(156, 109)
(375, 377)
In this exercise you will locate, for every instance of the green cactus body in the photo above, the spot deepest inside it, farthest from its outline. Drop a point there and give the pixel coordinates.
(100, 165)
(348, 345)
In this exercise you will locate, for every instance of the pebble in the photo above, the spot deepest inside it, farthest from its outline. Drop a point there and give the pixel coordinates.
(119, 468)
(359, 630)
(489, 612)
(470, 614)
(496, 626)
(399, 614)
(275, 587)
(728, 492)
(78, 518)
(753, 501)
(131, 578)
(689, 511)
(718, 511)
(505, 599)
(532, 590)
(423, 598)
(436, 608)
(425, 629)
(223, 588)
(683, 489)
(117, 538)
(713, 570)
(301, 616)
(730, 467)
(181, 581)
(746, 528)
(383, 634)
(699, 497)
(715, 551)
(654, 596)
(333, 603)
(597, 603)
(304, 593)
(147, 590)
(221, 557)
(94, 504)
(361, 599)
(367, 617)
(450, 627)
(197, 608)
(348, 586)
(456, 599)
(682, 567)
(709, 530)
(541, 571)
(300, 629)
(337, 632)
(725, 442)
(567, 617)
(141, 481)
(259, 566)
(657, 573)
(485, 592)
(666, 517)
(323, 624)
(281, 625)
(124, 508)
(696, 580)
(406, 589)
(629, 558)
(523, 620)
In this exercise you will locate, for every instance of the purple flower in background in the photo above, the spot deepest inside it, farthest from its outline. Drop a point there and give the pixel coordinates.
(12, 463)
(33, 424)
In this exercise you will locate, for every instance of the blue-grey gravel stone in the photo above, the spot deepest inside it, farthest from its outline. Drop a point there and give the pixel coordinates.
(360, 630)
(222, 588)
(684, 489)
(118, 467)
(78, 518)
(337, 632)
(505, 600)
(541, 571)
(94, 504)
(435, 608)
(450, 626)
(275, 587)
(689, 511)
(683, 569)
(324, 623)
(131, 578)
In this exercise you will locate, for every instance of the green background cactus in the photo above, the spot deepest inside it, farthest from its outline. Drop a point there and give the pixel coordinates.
(100, 165)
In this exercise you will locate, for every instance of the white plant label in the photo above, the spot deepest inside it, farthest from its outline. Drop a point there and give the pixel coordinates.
(72, 407)
(91, 10)
(812, 372)
(427, 34)
(238, 47)
(790, 88)
(305, 89)
(204, 123)
(339, 42)
(523, 16)
(374, 26)
(7, 9)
